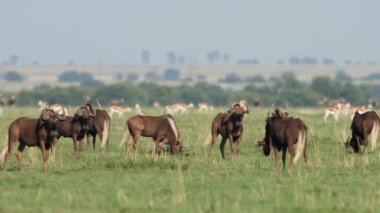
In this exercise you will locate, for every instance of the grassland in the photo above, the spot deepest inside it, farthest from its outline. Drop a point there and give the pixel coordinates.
(338, 181)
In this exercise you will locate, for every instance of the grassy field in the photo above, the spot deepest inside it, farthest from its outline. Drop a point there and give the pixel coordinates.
(338, 181)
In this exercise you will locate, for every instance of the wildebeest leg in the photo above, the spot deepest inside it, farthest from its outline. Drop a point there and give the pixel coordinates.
(45, 155)
(93, 141)
(19, 151)
(75, 142)
(238, 144)
(222, 143)
(357, 144)
(232, 145)
(305, 156)
(276, 158)
(214, 135)
(292, 153)
(88, 139)
(52, 147)
(159, 145)
(11, 142)
(136, 136)
(81, 144)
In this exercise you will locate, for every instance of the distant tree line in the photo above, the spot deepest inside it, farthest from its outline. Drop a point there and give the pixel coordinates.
(285, 89)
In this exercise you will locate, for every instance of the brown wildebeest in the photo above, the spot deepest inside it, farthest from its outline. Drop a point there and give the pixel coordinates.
(41, 132)
(283, 133)
(76, 126)
(228, 125)
(363, 126)
(157, 127)
(99, 125)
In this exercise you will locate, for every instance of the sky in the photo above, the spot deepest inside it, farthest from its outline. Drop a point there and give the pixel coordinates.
(116, 31)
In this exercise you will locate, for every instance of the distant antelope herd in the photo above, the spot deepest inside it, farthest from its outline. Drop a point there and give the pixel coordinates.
(283, 133)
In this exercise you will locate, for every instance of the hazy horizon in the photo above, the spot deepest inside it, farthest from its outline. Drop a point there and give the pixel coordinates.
(91, 32)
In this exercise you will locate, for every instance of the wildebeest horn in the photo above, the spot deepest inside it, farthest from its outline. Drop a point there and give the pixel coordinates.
(45, 115)
(287, 107)
(247, 111)
(98, 104)
(270, 110)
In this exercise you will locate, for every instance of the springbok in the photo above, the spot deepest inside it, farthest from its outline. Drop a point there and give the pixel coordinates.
(205, 107)
(120, 110)
(178, 108)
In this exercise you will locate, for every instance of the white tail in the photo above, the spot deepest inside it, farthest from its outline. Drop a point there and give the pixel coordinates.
(98, 104)
(300, 145)
(374, 134)
(105, 134)
(5, 150)
(174, 128)
(126, 136)
(208, 139)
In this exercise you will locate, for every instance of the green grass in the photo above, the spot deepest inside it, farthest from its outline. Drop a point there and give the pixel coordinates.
(338, 181)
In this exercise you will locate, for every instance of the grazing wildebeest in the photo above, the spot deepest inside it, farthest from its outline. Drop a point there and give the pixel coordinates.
(76, 126)
(228, 125)
(283, 133)
(157, 127)
(363, 126)
(41, 132)
(99, 125)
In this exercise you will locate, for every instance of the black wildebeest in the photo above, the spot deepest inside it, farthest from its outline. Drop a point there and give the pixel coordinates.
(283, 133)
(99, 125)
(363, 126)
(76, 126)
(228, 125)
(41, 132)
(157, 127)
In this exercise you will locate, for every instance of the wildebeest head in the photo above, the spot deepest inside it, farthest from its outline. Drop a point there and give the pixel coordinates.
(50, 120)
(177, 147)
(83, 115)
(236, 114)
(265, 145)
(352, 143)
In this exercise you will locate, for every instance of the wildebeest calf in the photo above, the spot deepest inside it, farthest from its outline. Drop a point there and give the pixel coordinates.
(41, 132)
(228, 125)
(157, 127)
(363, 126)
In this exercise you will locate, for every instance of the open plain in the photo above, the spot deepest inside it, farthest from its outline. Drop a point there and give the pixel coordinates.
(113, 181)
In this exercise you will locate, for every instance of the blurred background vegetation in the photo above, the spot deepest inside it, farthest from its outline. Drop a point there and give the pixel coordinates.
(284, 89)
